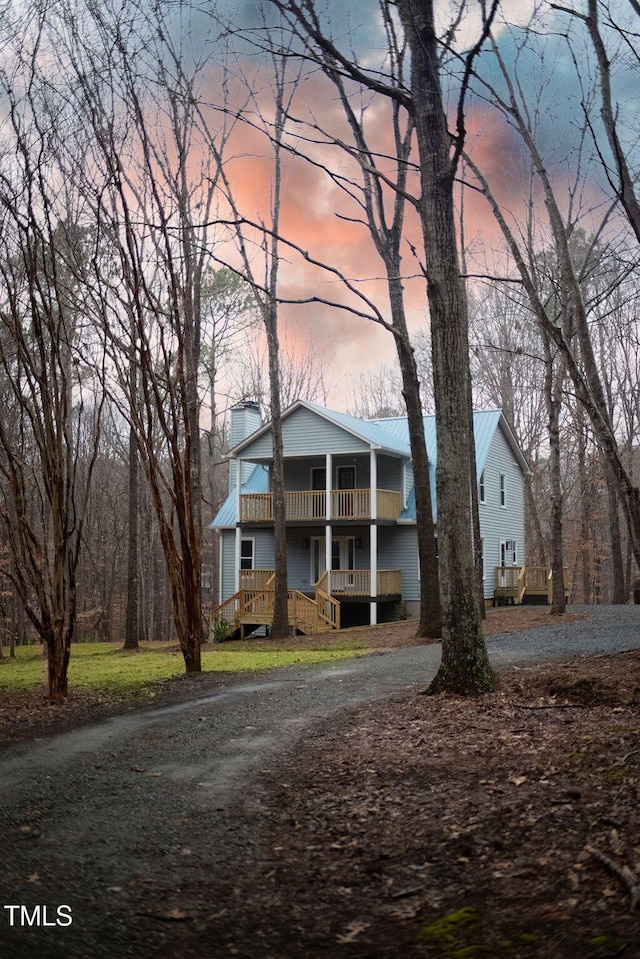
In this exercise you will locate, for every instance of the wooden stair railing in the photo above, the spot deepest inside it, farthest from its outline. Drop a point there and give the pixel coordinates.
(255, 606)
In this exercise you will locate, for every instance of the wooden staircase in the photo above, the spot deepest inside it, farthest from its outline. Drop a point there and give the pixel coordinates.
(253, 607)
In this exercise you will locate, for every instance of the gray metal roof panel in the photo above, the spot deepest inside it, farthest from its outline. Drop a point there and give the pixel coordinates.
(485, 423)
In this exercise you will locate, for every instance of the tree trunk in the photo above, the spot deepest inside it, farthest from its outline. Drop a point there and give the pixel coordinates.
(430, 617)
(131, 637)
(280, 623)
(465, 665)
(552, 394)
(618, 586)
(58, 653)
(584, 547)
(534, 525)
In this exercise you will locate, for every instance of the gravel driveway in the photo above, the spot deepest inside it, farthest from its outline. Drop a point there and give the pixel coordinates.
(123, 822)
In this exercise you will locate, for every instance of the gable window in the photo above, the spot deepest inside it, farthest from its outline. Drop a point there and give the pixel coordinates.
(503, 490)
(481, 489)
(247, 553)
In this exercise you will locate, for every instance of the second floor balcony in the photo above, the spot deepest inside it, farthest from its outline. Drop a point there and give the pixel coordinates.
(310, 506)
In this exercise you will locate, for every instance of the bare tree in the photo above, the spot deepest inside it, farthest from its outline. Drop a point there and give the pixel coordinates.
(578, 353)
(508, 373)
(152, 202)
(43, 258)
(304, 372)
(465, 665)
(436, 171)
(263, 235)
(382, 198)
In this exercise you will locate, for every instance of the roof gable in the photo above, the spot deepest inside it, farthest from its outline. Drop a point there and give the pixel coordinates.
(308, 429)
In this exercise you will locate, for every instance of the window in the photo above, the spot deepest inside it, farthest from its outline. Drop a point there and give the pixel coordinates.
(481, 489)
(318, 478)
(503, 490)
(346, 477)
(247, 550)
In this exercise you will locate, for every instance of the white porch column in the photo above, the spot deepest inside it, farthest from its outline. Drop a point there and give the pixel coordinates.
(373, 536)
(327, 532)
(238, 526)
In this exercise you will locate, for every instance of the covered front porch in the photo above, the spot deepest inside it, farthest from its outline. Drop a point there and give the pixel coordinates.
(252, 604)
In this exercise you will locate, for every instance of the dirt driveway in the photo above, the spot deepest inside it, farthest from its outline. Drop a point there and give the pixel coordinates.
(338, 812)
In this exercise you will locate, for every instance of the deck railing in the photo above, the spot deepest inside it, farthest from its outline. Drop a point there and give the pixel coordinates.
(357, 582)
(255, 578)
(310, 505)
(514, 582)
(253, 603)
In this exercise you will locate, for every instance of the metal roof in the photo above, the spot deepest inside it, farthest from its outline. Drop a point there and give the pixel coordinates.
(258, 482)
(485, 424)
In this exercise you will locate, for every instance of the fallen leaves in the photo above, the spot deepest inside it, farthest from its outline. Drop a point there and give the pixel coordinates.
(354, 931)
(495, 807)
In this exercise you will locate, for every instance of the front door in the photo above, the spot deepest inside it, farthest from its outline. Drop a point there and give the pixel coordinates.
(508, 557)
(343, 554)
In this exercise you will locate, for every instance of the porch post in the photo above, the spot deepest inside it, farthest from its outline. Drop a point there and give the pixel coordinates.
(373, 537)
(327, 531)
(238, 526)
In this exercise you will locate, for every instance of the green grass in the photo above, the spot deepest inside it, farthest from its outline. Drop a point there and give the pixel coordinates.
(107, 668)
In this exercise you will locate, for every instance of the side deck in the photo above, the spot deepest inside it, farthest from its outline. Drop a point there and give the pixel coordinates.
(520, 584)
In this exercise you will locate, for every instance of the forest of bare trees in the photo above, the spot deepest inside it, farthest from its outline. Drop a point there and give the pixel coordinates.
(179, 186)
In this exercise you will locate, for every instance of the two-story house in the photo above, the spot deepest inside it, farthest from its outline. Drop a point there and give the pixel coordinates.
(352, 555)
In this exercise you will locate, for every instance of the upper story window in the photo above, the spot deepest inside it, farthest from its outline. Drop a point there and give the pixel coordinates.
(503, 490)
(481, 489)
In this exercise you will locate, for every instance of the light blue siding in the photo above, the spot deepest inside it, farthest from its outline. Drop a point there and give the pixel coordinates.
(498, 523)
(389, 473)
(398, 549)
(304, 433)
(299, 558)
(263, 557)
(245, 419)
(228, 563)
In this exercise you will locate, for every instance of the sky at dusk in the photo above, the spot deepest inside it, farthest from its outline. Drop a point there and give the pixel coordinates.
(320, 217)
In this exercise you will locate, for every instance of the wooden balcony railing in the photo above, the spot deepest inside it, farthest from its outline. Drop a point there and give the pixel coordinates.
(310, 505)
